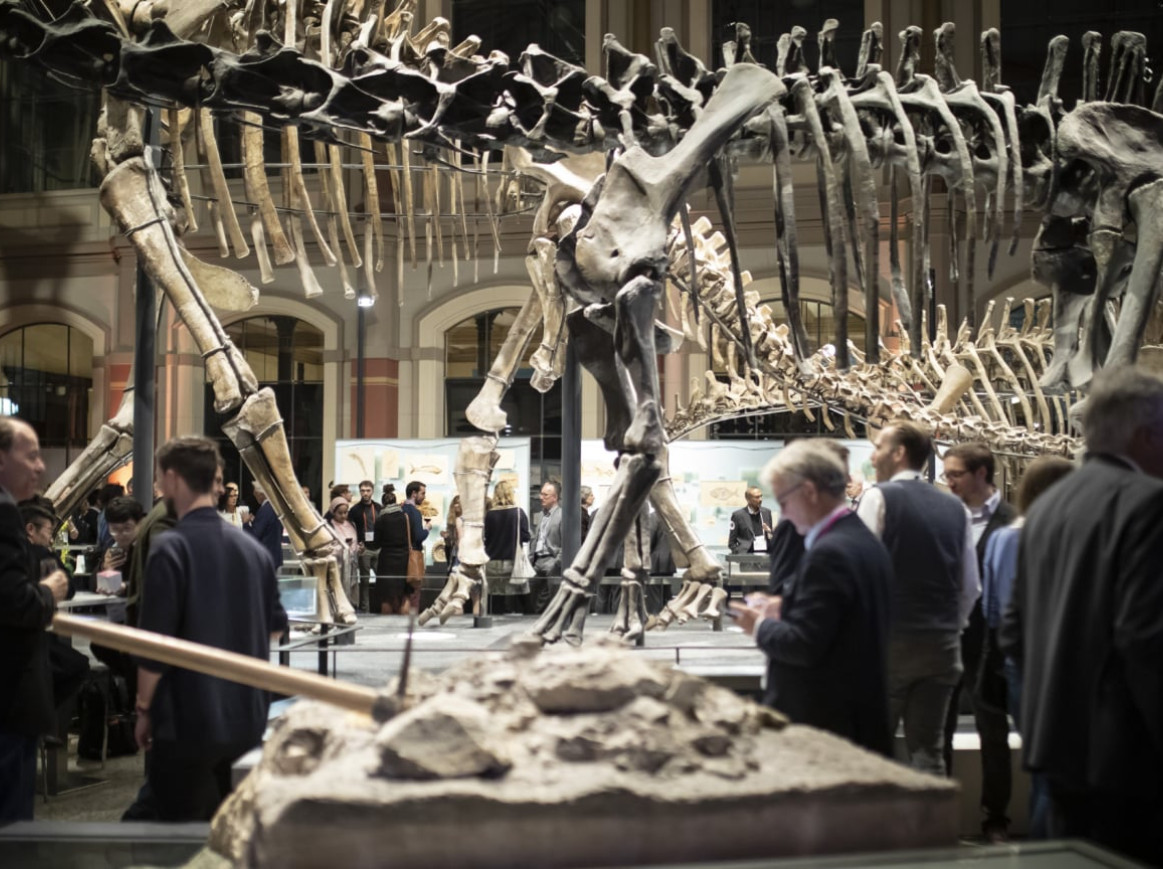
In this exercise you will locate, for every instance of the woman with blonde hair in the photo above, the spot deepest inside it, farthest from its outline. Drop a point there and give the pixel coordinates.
(506, 528)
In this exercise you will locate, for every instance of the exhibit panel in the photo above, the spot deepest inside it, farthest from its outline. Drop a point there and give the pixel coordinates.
(431, 462)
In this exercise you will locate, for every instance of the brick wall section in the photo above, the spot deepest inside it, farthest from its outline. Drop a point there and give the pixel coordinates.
(381, 397)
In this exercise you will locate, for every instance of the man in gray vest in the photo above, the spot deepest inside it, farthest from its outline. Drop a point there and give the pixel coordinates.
(935, 584)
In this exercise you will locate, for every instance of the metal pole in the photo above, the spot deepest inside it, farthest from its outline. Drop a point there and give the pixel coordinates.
(570, 457)
(144, 362)
(360, 345)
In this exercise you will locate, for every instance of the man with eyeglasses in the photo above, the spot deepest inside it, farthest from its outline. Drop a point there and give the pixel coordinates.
(969, 470)
(825, 636)
(935, 584)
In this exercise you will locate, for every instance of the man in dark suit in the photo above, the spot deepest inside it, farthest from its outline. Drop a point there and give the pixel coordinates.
(750, 525)
(27, 604)
(266, 527)
(826, 638)
(969, 470)
(1085, 626)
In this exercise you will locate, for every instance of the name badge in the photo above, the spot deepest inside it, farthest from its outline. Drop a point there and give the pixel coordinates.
(760, 544)
(369, 536)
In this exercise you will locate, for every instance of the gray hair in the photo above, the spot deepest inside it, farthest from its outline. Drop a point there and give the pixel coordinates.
(814, 462)
(1121, 401)
(258, 488)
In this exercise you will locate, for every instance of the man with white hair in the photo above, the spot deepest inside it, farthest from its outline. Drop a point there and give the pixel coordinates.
(1085, 626)
(826, 637)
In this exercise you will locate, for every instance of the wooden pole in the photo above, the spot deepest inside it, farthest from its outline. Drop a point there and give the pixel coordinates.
(218, 662)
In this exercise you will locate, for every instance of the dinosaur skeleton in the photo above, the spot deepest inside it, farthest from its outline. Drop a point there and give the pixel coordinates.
(605, 254)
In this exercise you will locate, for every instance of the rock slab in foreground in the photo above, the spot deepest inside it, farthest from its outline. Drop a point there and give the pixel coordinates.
(572, 758)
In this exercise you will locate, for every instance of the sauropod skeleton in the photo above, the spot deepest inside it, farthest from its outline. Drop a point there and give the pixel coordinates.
(603, 262)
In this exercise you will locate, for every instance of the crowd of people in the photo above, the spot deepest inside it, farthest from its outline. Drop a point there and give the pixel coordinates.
(205, 580)
(1049, 613)
(897, 606)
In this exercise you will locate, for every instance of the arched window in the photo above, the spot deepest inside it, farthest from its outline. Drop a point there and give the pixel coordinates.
(46, 378)
(286, 354)
(469, 349)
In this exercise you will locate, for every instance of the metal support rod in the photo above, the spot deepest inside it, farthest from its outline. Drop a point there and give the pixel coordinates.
(570, 457)
(360, 367)
(144, 360)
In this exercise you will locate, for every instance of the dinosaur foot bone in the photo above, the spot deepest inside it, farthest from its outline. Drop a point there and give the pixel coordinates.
(566, 614)
(630, 619)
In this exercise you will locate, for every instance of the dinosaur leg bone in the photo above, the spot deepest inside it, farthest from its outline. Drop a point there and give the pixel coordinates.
(484, 411)
(111, 449)
(566, 613)
(133, 195)
(257, 431)
(631, 616)
(474, 466)
(1146, 206)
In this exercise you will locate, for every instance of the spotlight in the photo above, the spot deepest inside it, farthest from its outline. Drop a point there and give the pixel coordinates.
(365, 300)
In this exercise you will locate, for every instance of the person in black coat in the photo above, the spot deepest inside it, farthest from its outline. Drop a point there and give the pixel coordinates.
(826, 638)
(27, 604)
(1085, 626)
(391, 536)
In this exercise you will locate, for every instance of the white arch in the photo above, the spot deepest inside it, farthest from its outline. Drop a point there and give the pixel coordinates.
(284, 306)
(438, 318)
(422, 408)
(20, 316)
(190, 381)
(813, 288)
(23, 315)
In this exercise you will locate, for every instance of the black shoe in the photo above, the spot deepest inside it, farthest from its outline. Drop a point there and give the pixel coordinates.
(996, 832)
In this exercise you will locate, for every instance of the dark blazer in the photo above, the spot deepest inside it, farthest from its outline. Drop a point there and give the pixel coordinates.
(1004, 515)
(268, 530)
(827, 654)
(1085, 625)
(741, 535)
(787, 548)
(26, 609)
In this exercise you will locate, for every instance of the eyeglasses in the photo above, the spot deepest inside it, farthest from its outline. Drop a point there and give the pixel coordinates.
(781, 499)
(956, 475)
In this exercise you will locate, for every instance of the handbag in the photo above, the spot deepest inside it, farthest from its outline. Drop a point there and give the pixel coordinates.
(522, 567)
(415, 571)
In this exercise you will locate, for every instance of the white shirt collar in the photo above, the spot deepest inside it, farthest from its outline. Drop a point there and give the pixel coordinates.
(907, 474)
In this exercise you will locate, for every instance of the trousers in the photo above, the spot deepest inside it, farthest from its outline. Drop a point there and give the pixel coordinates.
(990, 720)
(923, 670)
(17, 776)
